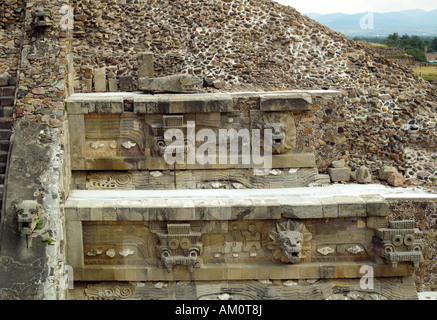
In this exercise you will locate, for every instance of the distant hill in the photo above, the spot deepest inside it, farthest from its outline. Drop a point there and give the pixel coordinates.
(417, 22)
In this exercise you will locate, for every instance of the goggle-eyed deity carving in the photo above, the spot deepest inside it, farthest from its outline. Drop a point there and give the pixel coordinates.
(180, 246)
(399, 242)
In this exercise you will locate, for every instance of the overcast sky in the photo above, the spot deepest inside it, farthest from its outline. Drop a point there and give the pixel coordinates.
(353, 6)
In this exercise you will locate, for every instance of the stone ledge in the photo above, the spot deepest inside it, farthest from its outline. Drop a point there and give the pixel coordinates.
(112, 102)
(210, 272)
(210, 205)
(279, 161)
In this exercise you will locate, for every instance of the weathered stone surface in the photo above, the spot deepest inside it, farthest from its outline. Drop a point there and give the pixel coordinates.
(292, 102)
(145, 65)
(385, 172)
(176, 84)
(346, 289)
(339, 163)
(396, 179)
(4, 79)
(112, 85)
(100, 80)
(339, 174)
(126, 84)
(363, 175)
(24, 223)
(376, 205)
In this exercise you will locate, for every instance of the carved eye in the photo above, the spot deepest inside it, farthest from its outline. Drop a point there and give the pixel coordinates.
(166, 254)
(173, 244)
(417, 248)
(409, 239)
(185, 243)
(397, 240)
(389, 248)
(193, 254)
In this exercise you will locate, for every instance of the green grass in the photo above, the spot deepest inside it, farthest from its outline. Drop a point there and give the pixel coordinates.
(427, 73)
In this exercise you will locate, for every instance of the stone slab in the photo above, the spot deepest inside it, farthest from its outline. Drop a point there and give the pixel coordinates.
(339, 174)
(212, 205)
(100, 80)
(145, 65)
(283, 102)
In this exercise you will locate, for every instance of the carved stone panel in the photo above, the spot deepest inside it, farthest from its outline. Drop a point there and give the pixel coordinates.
(399, 242)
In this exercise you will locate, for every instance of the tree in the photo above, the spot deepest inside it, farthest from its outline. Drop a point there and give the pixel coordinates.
(418, 54)
(416, 42)
(434, 44)
(392, 40)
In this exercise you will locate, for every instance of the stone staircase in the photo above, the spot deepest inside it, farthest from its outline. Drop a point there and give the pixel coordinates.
(7, 93)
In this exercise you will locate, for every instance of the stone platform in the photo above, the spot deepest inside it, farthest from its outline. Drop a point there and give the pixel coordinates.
(123, 235)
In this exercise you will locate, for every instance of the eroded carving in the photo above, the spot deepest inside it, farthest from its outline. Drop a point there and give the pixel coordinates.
(116, 180)
(180, 246)
(42, 17)
(283, 130)
(29, 212)
(289, 242)
(108, 291)
(398, 243)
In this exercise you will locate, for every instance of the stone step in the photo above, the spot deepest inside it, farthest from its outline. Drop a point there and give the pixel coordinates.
(2, 178)
(7, 101)
(5, 134)
(3, 156)
(4, 145)
(6, 123)
(8, 91)
(224, 205)
(2, 168)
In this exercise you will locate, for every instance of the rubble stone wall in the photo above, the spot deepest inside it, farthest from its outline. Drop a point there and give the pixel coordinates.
(386, 116)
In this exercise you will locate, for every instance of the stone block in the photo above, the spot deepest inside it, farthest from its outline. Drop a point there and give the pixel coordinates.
(339, 163)
(200, 103)
(396, 179)
(76, 124)
(286, 102)
(363, 175)
(87, 85)
(7, 101)
(329, 206)
(339, 174)
(145, 65)
(376, 206)
(74, 245)
(113, 85)
(293, 160)
(183, 83)
(100, 80)
(242, 209)
(301, 208)
(386, 171)
(4, 79)
(351, 206)
(207, 210)
(8, 112)
(126, 84)
(7, 91)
